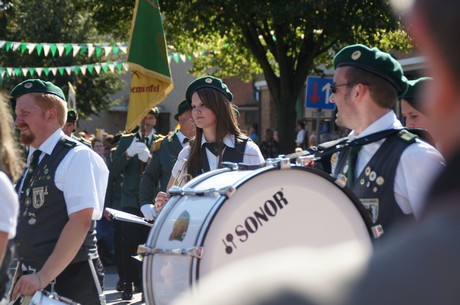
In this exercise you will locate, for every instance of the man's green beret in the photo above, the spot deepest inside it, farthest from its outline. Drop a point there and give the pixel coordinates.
(72, 116)
(374, 61)
(181, 108)
(207, 82)
(36, 85)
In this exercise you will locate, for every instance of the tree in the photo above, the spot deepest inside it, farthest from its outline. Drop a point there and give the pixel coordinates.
(284, 40)
(54, 21)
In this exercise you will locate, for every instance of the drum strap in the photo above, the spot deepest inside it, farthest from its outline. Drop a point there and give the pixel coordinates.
(96, 281)
(331, 147)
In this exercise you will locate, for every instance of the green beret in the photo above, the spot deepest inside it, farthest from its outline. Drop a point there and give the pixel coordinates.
(72, 116)
(154, 111)
(374, 61)
(36, 85)
(207, 82)
(412, 96)
(181, 108)
(415, 87)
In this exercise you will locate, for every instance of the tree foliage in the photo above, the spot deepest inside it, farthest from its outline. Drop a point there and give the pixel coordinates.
(53, 21)
(283, 40)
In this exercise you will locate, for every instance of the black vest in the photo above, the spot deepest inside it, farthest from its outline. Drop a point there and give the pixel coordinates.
(231, 154)
(375, 184)
(43, 213)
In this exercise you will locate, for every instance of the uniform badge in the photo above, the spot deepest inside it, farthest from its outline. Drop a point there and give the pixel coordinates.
(372, 206)
(356, 55)
(28, 85)
(334, 159)
(367, 171)
(208, 80)
(38, 197)
(372, 176)
(380, 180)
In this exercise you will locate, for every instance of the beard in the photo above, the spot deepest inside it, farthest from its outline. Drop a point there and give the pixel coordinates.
(27, 137)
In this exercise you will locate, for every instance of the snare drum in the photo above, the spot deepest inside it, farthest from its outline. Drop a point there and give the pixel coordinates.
(226, 215)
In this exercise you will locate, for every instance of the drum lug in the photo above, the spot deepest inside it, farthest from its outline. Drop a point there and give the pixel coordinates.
(196, 252)
(285, 163)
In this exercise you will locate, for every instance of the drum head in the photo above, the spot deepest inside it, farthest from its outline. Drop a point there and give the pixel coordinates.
(274, 209)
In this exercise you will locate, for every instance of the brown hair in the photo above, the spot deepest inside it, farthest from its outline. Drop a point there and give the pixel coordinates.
(382, 92)
(10, 156)
(227, 123)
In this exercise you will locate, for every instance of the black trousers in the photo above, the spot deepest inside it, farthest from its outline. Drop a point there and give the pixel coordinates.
(131, 236)
(76, 282)
(118, 248)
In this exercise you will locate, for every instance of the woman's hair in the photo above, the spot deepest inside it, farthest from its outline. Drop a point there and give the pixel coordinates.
(227, 123)
(10, 156)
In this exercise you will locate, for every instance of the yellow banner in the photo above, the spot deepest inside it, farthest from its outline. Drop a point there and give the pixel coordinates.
(145, 93)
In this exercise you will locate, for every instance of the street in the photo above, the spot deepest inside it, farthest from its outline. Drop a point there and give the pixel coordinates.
(111, 294)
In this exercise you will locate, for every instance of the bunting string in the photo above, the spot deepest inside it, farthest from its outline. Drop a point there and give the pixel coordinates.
(103, 67)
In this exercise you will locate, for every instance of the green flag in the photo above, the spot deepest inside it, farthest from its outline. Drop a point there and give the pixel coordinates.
(147, 57)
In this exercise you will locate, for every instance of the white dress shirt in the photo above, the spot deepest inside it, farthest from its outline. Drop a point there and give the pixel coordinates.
(82, 175)
(9, 208)
(252, 155)
(419, 165)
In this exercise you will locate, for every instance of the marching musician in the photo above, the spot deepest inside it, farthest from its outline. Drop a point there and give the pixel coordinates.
(218, 137)
(61, 196)
(158, 171)
(129, 160)
(387, 167)
(413, 109)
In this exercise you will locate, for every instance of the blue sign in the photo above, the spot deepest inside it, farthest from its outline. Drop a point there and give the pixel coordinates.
(318, 93)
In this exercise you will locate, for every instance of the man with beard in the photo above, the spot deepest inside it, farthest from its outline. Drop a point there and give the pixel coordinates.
(61, 196)
(388, 168)
(129, 160)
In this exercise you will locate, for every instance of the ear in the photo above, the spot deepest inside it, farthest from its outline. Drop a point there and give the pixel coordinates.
(51, 114)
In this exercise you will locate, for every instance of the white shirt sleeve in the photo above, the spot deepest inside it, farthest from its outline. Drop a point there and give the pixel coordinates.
(419, 166)
(252, 154)
(9, 207)
(83, 176)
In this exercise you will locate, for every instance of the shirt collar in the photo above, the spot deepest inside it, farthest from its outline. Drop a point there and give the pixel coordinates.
(229, 140)
(385, 122)
(48, 146)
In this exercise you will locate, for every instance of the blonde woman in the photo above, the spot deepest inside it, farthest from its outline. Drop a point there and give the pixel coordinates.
(10, 170)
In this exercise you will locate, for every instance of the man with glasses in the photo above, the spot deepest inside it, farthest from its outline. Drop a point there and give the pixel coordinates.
(388, 168)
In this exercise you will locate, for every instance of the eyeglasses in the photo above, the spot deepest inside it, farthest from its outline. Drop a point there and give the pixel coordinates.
(334, 86)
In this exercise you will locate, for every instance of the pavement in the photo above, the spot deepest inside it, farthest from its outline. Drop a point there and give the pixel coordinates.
(111, 294)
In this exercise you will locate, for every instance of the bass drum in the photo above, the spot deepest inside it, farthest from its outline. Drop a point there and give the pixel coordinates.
(226, 215)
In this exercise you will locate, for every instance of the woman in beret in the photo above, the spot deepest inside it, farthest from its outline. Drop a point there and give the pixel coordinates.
(218, 137)
(412, 109)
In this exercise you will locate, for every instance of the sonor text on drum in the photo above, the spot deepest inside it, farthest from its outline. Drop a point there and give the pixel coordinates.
(269, 209)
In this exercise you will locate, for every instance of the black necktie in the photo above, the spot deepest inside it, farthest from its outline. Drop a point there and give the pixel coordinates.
(351, 161)
(211, 147)
(146, 141)
(33, 164)
(185, 140)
